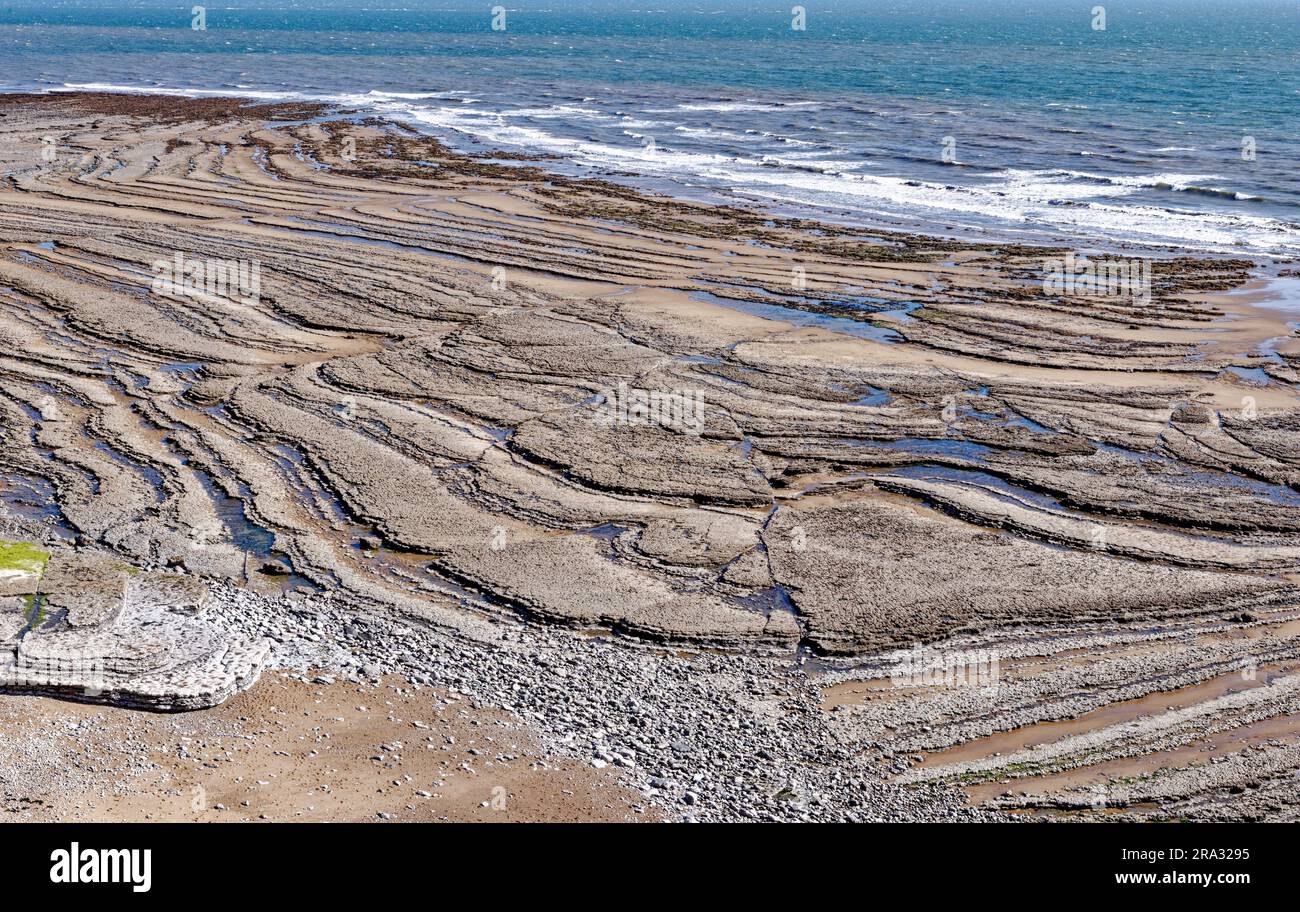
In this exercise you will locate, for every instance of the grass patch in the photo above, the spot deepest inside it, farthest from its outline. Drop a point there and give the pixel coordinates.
(35, 611)
(128, 569)
(23, 556)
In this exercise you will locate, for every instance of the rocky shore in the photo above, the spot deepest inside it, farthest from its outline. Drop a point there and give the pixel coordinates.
(89, 627)
(782, 520)
(704, 737)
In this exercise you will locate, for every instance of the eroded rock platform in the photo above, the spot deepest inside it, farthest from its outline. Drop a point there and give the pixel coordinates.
(88, 627)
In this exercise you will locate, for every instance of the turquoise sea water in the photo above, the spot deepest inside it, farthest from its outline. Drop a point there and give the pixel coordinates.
(1051, 128)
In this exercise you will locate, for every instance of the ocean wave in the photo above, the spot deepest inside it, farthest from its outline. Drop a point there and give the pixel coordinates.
(820, 166)
(1212, 191)
(1053, 202)
(708, 133)
(258, 94)
(725, 107)
(921, 201)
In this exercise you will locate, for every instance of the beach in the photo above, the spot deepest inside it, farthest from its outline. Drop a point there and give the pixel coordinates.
(1163, 125)
(830, 522)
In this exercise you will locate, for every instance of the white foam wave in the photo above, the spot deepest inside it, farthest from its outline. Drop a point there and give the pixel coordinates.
(733, 106)
(1055, 202)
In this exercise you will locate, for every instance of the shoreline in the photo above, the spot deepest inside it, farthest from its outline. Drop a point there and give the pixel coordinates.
(473, 146)
(391, 455)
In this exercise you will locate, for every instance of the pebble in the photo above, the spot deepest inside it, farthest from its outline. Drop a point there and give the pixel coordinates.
(648, 712)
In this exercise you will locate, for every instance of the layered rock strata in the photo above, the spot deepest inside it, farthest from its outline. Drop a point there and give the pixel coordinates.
(94, 629)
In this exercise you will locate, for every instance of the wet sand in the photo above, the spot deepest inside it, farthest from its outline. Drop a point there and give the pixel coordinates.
(298, 751)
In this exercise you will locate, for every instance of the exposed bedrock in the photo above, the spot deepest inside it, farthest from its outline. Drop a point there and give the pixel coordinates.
(642, 458)
(465, 392)
(874, 574)
(422, 404)
(98, 630)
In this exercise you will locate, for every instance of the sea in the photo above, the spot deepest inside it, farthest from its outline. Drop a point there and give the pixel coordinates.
(1128, 123)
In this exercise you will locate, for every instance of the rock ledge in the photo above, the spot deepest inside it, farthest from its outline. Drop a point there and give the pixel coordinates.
(91, 628)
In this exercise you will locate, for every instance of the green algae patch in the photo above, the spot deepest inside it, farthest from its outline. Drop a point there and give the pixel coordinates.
(35, 611)
(128, 569)
(23, 557)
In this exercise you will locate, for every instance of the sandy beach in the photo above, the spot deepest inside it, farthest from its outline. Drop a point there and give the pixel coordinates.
(715, 515)
(298, 751)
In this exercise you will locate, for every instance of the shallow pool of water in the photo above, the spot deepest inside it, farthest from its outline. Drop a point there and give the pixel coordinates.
(857, 328)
